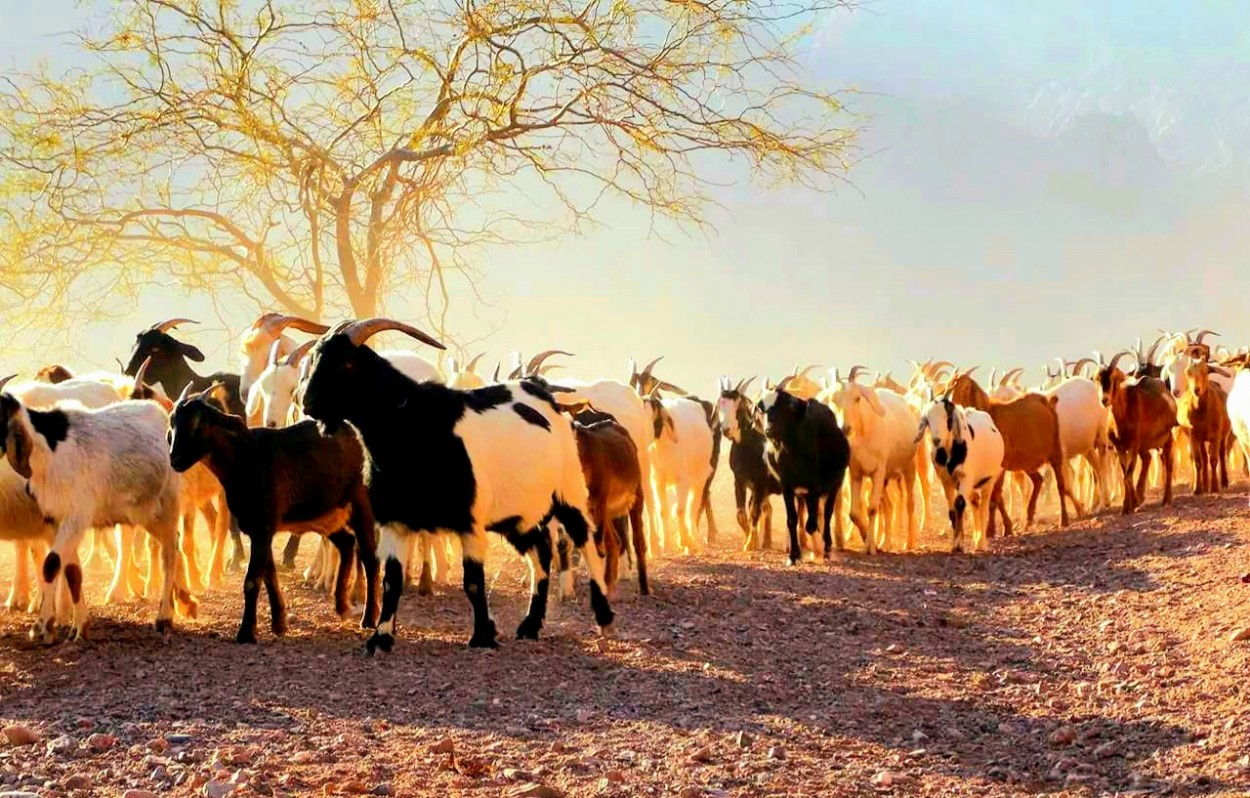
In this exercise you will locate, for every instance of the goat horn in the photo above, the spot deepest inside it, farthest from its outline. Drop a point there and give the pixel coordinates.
(536, 362)
(186, 393)
(855, 372)
(515, 374)
(275, 323)
(473, 363)
(1076, 367)
(781, 386)
(742, 386)
(169, 324)
(293, 359)
(495, 377)
(1150, 355)
(1203, 334)
(552, 367)
(6, 380)
(646, 371)
(121, 367)
(1116, 360)
(142, 372)
(805, 371)
(358, 332)
(935, 368)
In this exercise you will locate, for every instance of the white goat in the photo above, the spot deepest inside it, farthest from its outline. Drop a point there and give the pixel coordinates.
(881, 428)
(682, 460)
(90, 468)
(968, 450)
(1083, 422)
(1239, 410)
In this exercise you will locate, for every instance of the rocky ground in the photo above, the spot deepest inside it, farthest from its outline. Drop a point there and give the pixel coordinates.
(1093, 661)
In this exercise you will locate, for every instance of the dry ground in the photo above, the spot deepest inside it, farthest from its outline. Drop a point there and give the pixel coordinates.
(1092, 661)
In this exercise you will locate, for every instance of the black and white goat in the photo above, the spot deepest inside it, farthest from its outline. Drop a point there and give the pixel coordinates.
(291, 479)
(501, 459)
(88, 468)
(753, 482)
(808, 453)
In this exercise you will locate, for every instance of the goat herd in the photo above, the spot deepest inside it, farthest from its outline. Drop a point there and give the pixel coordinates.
(394, 463)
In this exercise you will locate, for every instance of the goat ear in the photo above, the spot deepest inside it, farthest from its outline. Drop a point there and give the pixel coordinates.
(190, 352)
(274, 352)
(924, 425)
(253, 401)
(17, 447)
(668, 422)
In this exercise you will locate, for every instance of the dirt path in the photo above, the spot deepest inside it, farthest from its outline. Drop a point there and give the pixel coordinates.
(1092, 661)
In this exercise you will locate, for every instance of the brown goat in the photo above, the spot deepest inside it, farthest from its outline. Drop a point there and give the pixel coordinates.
(1205, 404)
(1143, 414)
(610, 464)
(54, 373)
(1030, 429)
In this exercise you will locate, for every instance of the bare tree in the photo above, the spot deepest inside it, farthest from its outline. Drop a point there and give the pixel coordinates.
(317, 155)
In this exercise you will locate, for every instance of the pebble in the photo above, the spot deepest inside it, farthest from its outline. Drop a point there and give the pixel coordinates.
(919, 737)
(1240, 635)
(776, 752)
(584, 715)
(305, 757)
(159, 745)
(138, 794)
(78, 781)
(444, 746)
(743, 740)
(178, 739)
(382, 789)
(218, 788)
(20, 735)
(19, 794)
(1064, 735)
(535, 791)
(101, 742)
(890, 778)
(63, 746)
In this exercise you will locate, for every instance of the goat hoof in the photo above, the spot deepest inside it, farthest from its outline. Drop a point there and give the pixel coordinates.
(484, 637)
(78, 634)
(425, 589)
(246, 636)
(43, 632)
(278, 628)
(608, 631)
(379, 641)
(164, 625)
(528, 630)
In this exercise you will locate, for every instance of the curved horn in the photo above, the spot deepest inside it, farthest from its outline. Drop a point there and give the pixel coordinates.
(293, 359)
(935, 368)
(1115, 361)
(855, 372)
(805, 371)
(186, 393)
(1063, 366)
(742, 386)
(1150, 355)
(121, 367)
(536, 362)
(1009, 376)
(6, 380)
(169, 324)
(552, 367)
(781, 386)
(646, 371)
(360, 331)
(495, 377)
(275, 323)
(142, 372)
(1203, 333)
(1076, 367)
(473, 363)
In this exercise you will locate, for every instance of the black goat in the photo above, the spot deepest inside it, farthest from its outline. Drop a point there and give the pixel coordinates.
(809, 454)
(290, 479)
(500, 459)
(168, 368)
(753, 482)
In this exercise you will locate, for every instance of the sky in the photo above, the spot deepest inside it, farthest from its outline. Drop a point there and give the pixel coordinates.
(1036, 180)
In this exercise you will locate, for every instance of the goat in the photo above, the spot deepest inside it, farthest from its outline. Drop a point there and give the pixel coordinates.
(753, 482)
(809, 455)
(645, 383)
(967, 447)
(1143, 415)
(169, 370)
(500, 459)
(1205, 404)
(1030, 430)
(294, 478)
(614, 481)
(1239, 408)
(881, 429)
(463, 376)
(682, 458)
(258, 341)
(90, 468)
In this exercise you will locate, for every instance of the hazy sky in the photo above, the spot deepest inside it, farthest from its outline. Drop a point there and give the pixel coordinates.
(1037, 180)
